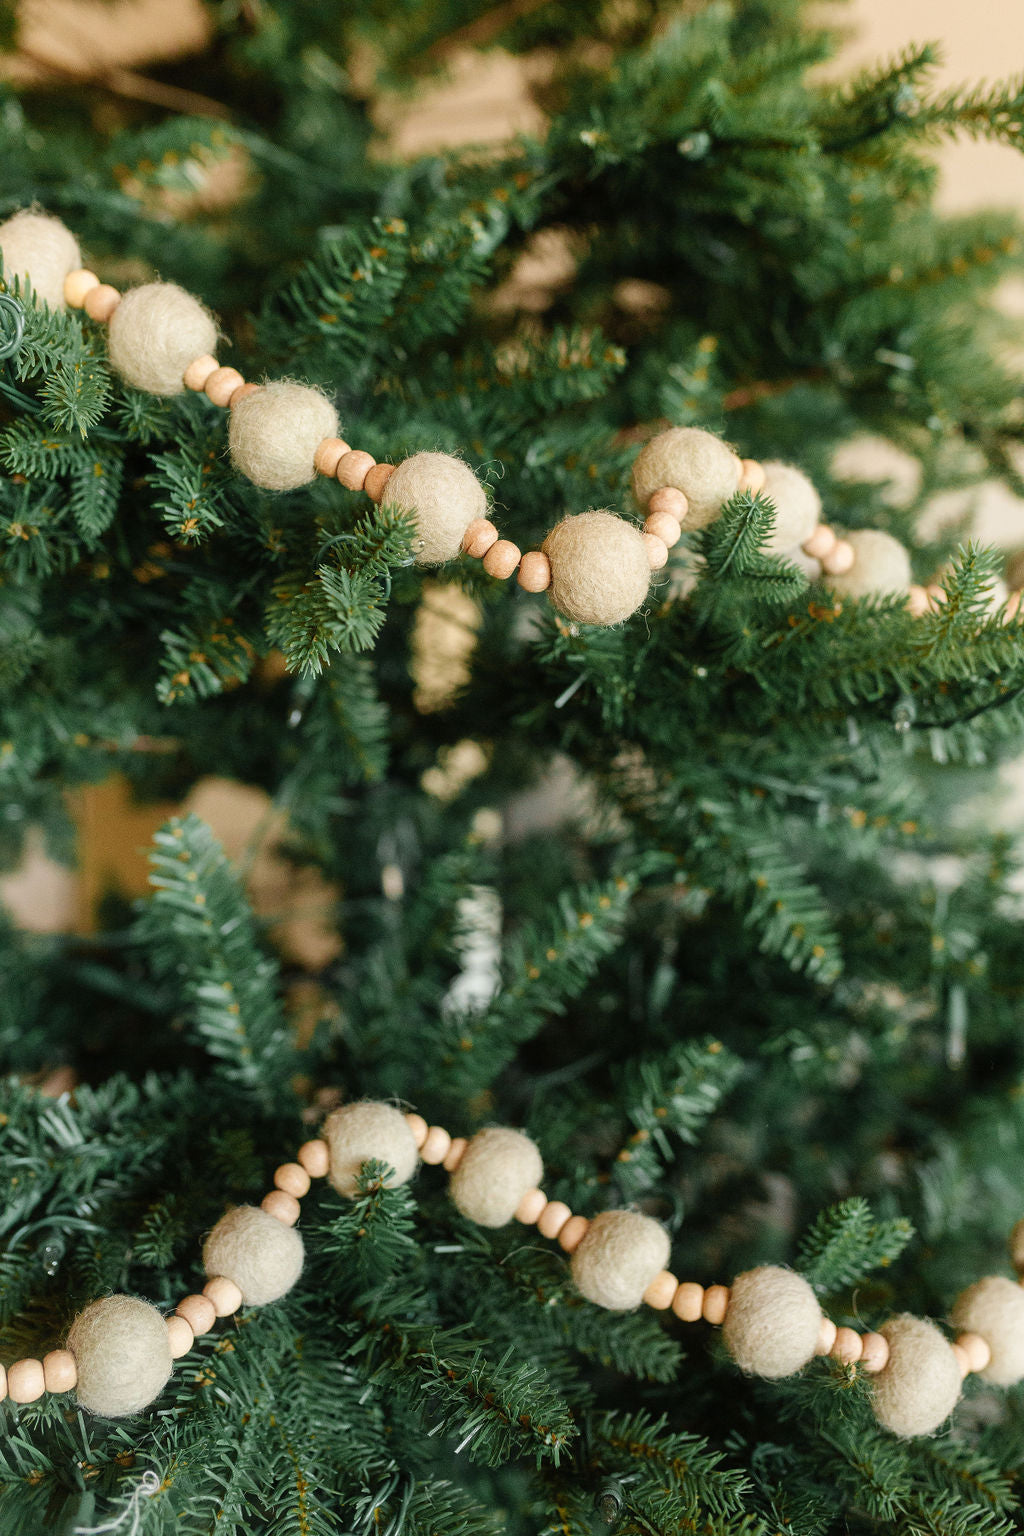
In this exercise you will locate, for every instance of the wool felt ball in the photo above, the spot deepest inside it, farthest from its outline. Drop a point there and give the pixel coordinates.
(994, 1308)
(600, 572)
(274, 433)
(155, 333)
(618, 1258)
(881, 566)
(497, 1168)
(919, 1385)
(797, 505)
(363, 1132)
(260, 1254)
(771, 1328)
(123, 1354)
(693, 461)
(444, 496)
(41, 248)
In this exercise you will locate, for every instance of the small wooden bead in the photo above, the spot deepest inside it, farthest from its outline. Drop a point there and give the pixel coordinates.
(77, 284)
(936, 594)
(293, 1179)
(848, 1346)
(553, 1218)
(716, 1304)
(419, 1128)
(225, 1295)
(329, 455)
(25, 1381)
(283, 1208)
(437, 1145)
(101, 302)
(664, 527)
(826, 1337)
(976, 1351)
(534, 571)
(198, 371)
(376, 480)
(752, 476)
(1012, 605)
(821, 542)
(961, 1359)
(839, 559)
(688, 1301)
(573, 1233)
(60, 1370)
(874, 1352)
(221, 385)
(179, 1336)
(353, 468)
(661, 1291)
(3, 1382)
(453, 1157)
(670, 501)
(530, 1206)
(501, 559)
(918, 601)
(657, 551)
(240, 394)
(479, 537)
(315, 1158)
(198, 1311)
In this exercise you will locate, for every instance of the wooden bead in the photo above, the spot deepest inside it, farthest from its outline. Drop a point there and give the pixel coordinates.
(198, 371)
(479, 537)
(839, 559)
(315, 1158)
(198, 1311)
(826, 1337)
(667, 500)
(936, 594)
(874, 1353)
(77, 284)
(664, 527)
(101, 302)
(501, 559)
(918, 601)
(661, 1291)
(329, 455)
(961, 1359)
(976, 1351)
(419, 1128)
(848, 1346)
(534, 571)
(553, 1218)
(716, 1304)
(179, 1336)
(657, 551)
(60, 1370)
(1012, 605)
(453, 1157)
(353, 468)
(821, 542)
(224, 1293)
(3, 1382)
(573, 1233)
(283, 1207)
(240, 394)
(752, 476)
(25, 1381)
(376, 481)
(437, 1145)
(221, 386)
(293, 1179)
(688, 1301)
(530, 1206)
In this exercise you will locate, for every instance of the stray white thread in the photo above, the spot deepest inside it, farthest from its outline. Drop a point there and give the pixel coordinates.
(147, 1485)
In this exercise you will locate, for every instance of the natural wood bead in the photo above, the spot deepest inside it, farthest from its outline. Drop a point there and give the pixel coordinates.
(376, 480)
(976, 1351)
(221, 386)
(479, 537)
(1012, 605)
(198, 1311)
(240, 394)
(293, 1179)
(353, 468)
(77, 284)
(329, 455)
(821, 542)
(225, 1295)
(688, 1301)
(936, 594)
(848, 1346)
(3, 1382)
(101, 302)
(573, 1233)
(60, 1370)
(284, 1208)
(419, 1128)
(715, 1304)
(918, 601)
(874, 1352)
(315, 1158)
(664, 527)
(839, 559)
(670, 501)
(501, 559)
(661, 1291)
(530, 1206)
(534, 571)
(179, 1336)
(826, 1337)
(657, 551)
(437, 1145)
(453, 1157)
(25, 1381)
(752, 476)
(198, 371)
(553, 1218)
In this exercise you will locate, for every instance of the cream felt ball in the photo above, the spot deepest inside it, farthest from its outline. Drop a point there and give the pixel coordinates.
(153, 335)
(497, 1168)
(600, 572)
(259, 1253)
(693, 461)
(444, 496)
(363, 1132)
(41, 248)
(881, 566)
(797, 505)
(123, 1354)
(274, 432)
(618, 1257)
(919, 1386)
(773, 1321)
(994, 1308)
